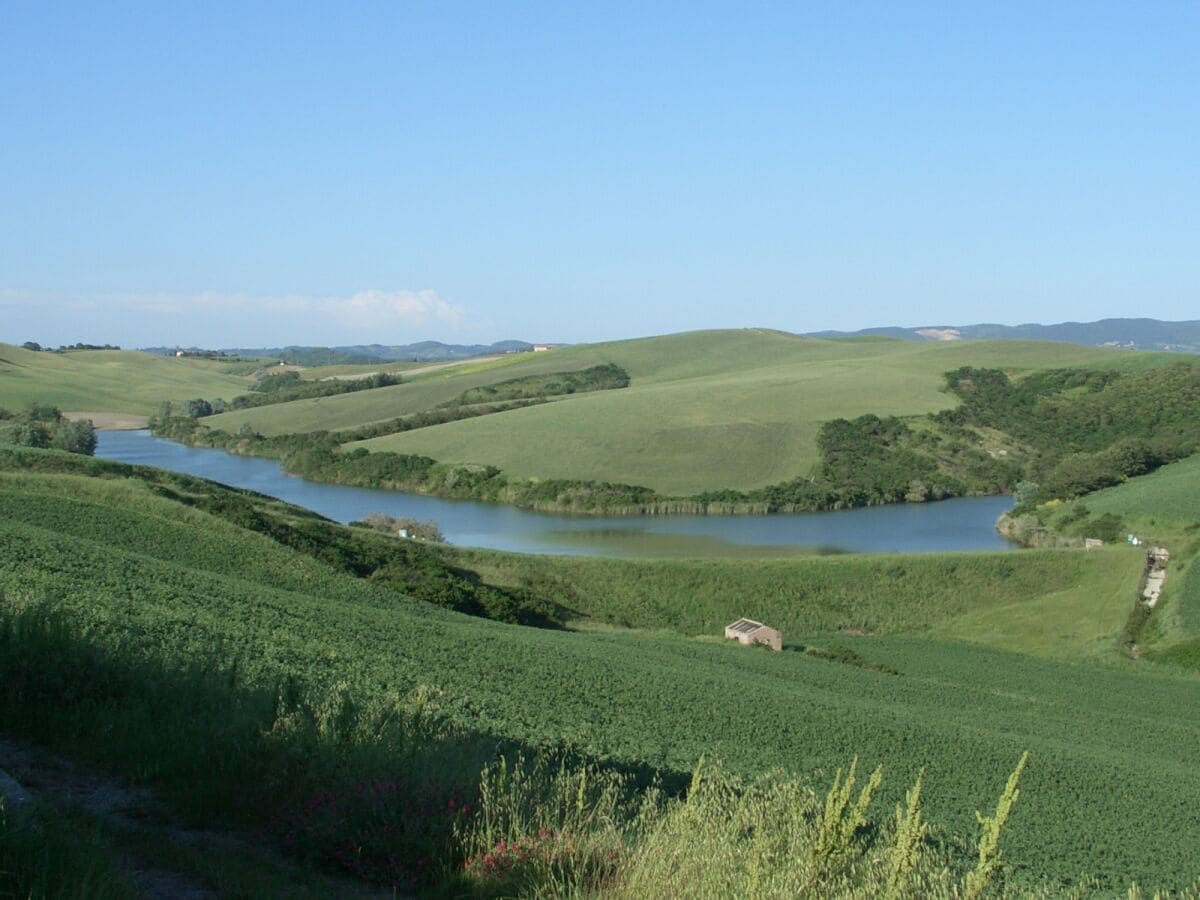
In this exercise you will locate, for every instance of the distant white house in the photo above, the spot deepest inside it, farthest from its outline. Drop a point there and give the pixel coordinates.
(541, 348)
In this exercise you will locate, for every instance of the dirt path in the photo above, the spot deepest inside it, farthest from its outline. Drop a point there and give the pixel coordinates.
(420, 370)
(43, 775)
(111, 421)
(139, 819)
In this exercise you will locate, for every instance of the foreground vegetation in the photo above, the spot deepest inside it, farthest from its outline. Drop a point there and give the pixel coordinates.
(272, 665)
(321, 780)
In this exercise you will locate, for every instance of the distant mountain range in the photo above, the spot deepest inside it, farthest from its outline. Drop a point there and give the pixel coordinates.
(366, 354)
(1133, 334)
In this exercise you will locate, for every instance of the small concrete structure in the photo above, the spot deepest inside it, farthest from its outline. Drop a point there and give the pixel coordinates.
(1092, 543)
(1156, 575)
(749, 632)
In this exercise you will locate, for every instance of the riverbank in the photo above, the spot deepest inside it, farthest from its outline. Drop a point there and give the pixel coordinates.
(320, 456)
(963, 524)
(110, 421)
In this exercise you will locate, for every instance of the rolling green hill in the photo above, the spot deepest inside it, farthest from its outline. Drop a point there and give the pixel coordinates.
(137, 563)
(1162, 507)
(1170, 493)
(1056, 603)
(704, 411)
(114, 381)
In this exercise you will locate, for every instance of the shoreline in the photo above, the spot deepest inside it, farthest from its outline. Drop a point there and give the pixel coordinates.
(111, 421)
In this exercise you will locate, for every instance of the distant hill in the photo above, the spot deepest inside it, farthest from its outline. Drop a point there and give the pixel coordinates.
(705, 410)
(1130, 334)
(114, 381)
(365, 354)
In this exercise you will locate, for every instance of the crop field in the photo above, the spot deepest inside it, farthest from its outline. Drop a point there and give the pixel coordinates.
(1056, 603)
(705, 410)
(1171, 493)
(1110, 789)
(109, 380)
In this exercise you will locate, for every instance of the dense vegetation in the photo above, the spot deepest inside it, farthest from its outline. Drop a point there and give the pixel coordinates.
(45, 426)
(149, 576)
(1089, 428)
(316, 776)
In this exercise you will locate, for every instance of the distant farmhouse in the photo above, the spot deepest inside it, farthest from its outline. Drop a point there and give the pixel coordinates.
(542, 348)
(749, 632)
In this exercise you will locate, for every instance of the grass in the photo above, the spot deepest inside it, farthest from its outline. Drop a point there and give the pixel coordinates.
(416, 394)
(109, 380)
(142, 575)
(1057, 603)
(1171, 493)
(714, 409)
(1078, 615)
(46, 851)
(1162, 507)
(705, 410)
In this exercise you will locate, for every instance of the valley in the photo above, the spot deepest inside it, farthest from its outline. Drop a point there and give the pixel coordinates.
(299, 658)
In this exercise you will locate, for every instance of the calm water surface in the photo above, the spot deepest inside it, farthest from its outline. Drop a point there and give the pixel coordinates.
(962, 524)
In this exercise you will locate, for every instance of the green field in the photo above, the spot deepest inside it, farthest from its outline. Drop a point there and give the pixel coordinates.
(1171, 493)
(1055, 603)
(111, 381)
(1110, 789)
(704, 411)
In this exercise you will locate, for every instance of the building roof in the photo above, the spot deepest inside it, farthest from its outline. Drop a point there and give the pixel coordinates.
(745, 626)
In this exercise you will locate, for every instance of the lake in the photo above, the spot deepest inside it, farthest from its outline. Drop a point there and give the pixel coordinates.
(966, 523)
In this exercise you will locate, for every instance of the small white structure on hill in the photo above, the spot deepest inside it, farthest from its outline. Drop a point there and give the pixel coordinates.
(749, 632)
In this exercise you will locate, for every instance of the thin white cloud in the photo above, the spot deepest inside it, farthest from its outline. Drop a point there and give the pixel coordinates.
(375, 308)
(215, 318)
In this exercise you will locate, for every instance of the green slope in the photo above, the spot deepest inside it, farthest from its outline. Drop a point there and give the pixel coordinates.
(1110, 788)
(116, 381)
(1170, 493)
(717, 410)
(1164, 508)
(1064, 604)
(705, 410)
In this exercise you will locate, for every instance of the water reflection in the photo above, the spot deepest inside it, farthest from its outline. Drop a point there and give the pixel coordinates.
(962, 524)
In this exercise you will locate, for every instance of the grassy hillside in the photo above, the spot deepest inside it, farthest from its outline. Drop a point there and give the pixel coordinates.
(705, 410)
(418, 393)
(1171, 493)
(137, 568)
(1163, 507)
(1057, 603)
(109, 380)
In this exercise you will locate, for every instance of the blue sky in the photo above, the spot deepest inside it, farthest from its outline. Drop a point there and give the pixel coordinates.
(249, 174)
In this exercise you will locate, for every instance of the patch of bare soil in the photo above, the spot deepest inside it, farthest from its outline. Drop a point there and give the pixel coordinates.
(111, 421)
(55, 779)
(419, 370)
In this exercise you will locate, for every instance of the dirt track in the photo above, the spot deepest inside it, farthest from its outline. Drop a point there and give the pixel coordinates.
(111, 421)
